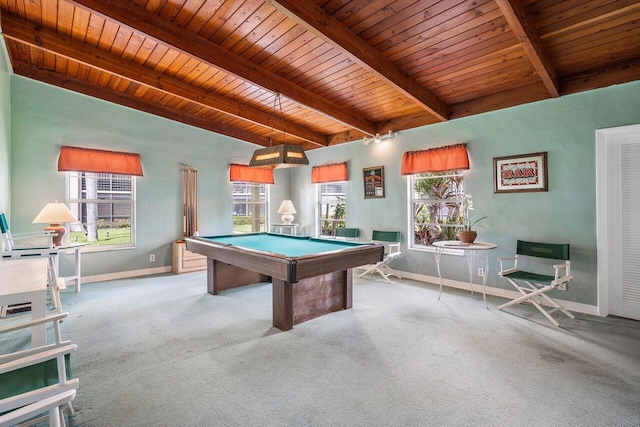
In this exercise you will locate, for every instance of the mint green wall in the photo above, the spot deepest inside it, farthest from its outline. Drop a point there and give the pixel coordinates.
(564, 127)
(45, 117)
(5, 126)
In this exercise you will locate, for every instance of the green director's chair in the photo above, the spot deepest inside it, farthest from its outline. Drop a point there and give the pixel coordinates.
(531, 284)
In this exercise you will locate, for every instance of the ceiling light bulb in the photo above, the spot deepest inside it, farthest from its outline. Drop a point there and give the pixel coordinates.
(378, 138)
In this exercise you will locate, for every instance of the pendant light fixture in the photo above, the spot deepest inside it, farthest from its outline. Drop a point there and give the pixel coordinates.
(278, 156)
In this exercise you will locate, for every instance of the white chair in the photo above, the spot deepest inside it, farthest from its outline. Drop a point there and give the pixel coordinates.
(37, 380)
(35, 244)
(53, 405)
(538, 284)
(391, 241)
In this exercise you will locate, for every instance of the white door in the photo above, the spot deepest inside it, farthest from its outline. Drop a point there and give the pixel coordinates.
(618, 177)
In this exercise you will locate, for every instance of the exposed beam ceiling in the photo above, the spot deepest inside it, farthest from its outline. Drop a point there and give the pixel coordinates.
(346, 68)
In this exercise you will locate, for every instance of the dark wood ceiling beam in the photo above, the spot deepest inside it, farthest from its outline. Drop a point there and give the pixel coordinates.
(25, 32)
(131, 101)
(150, 25)
(323, 25)
(514, 13)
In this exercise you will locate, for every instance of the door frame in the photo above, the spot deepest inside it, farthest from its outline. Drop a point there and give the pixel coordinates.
(602, 221)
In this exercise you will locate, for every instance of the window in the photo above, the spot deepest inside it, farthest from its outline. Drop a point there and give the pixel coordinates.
(332, 207)
(436, 200)
(104, 204)
(250, 207)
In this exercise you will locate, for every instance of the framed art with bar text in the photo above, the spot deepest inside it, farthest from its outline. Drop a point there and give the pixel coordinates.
(526, 172)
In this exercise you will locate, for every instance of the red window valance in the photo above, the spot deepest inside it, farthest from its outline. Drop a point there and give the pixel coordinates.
(99, 161)
(246, 174)
(451, 157)
(329, 173)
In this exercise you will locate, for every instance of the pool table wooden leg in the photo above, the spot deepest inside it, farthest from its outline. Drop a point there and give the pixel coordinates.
(282, 304)
(294, 303)
(221, 276)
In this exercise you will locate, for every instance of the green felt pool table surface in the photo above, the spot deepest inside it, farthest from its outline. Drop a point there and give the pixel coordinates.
(285, 245)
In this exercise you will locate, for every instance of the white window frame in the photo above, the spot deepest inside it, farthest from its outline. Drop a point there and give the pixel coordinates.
(319, 205)
(266, 203)
(132, 202)
(411, 200)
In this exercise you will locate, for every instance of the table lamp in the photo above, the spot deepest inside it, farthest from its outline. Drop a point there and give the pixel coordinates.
(287, 210)
(55, 214)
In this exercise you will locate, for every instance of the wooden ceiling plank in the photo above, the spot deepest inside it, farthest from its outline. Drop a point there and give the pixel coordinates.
(376, 11)
(64, 22)
(205, 13)
(468, 25)
(233, 21)
(550, 25)
(506, 99)
(248, 27)
(520, 24)
(31, 34)
(323, 25)
(621, 72)
(408, 16)
(270, 39)
(187, 12)
(452, 57)
(446, 22)
(165, 32)
(580, 61)
(611, 31)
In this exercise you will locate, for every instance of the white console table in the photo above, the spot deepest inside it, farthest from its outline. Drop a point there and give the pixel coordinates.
(285, 228)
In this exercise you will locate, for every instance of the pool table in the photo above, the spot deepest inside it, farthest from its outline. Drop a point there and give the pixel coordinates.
(310, 277)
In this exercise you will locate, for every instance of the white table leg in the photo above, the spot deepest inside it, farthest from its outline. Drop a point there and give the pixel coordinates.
(437, 253)
(78, 269)
(469, 256)
(483, 260)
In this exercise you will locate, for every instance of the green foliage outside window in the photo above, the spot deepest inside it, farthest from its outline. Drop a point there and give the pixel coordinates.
(333, 217)
(437, 203)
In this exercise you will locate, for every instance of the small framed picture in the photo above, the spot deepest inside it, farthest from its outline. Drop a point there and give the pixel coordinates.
(523, 173)
(373, 182)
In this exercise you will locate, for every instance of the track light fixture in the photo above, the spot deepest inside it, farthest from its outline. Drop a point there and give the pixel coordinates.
(379, 138)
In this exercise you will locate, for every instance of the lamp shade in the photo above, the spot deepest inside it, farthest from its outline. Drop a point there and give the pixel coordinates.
(279, 156)
(287, 207)
(54, 214)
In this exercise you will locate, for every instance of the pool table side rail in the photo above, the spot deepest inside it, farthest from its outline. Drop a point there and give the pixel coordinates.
(286, 268)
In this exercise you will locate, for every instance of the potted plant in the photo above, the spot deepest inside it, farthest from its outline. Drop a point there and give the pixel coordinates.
(467, 234)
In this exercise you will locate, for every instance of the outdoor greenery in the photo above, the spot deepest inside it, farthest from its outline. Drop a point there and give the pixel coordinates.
(106, 236)
(438, 211)
(330, 221)
(243, 224)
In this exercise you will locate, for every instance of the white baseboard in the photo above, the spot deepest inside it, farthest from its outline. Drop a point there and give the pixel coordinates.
(125, 274)
(498, 292)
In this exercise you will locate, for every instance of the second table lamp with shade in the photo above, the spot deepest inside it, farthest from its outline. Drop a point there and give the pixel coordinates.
(287, 210)
(55, 214)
